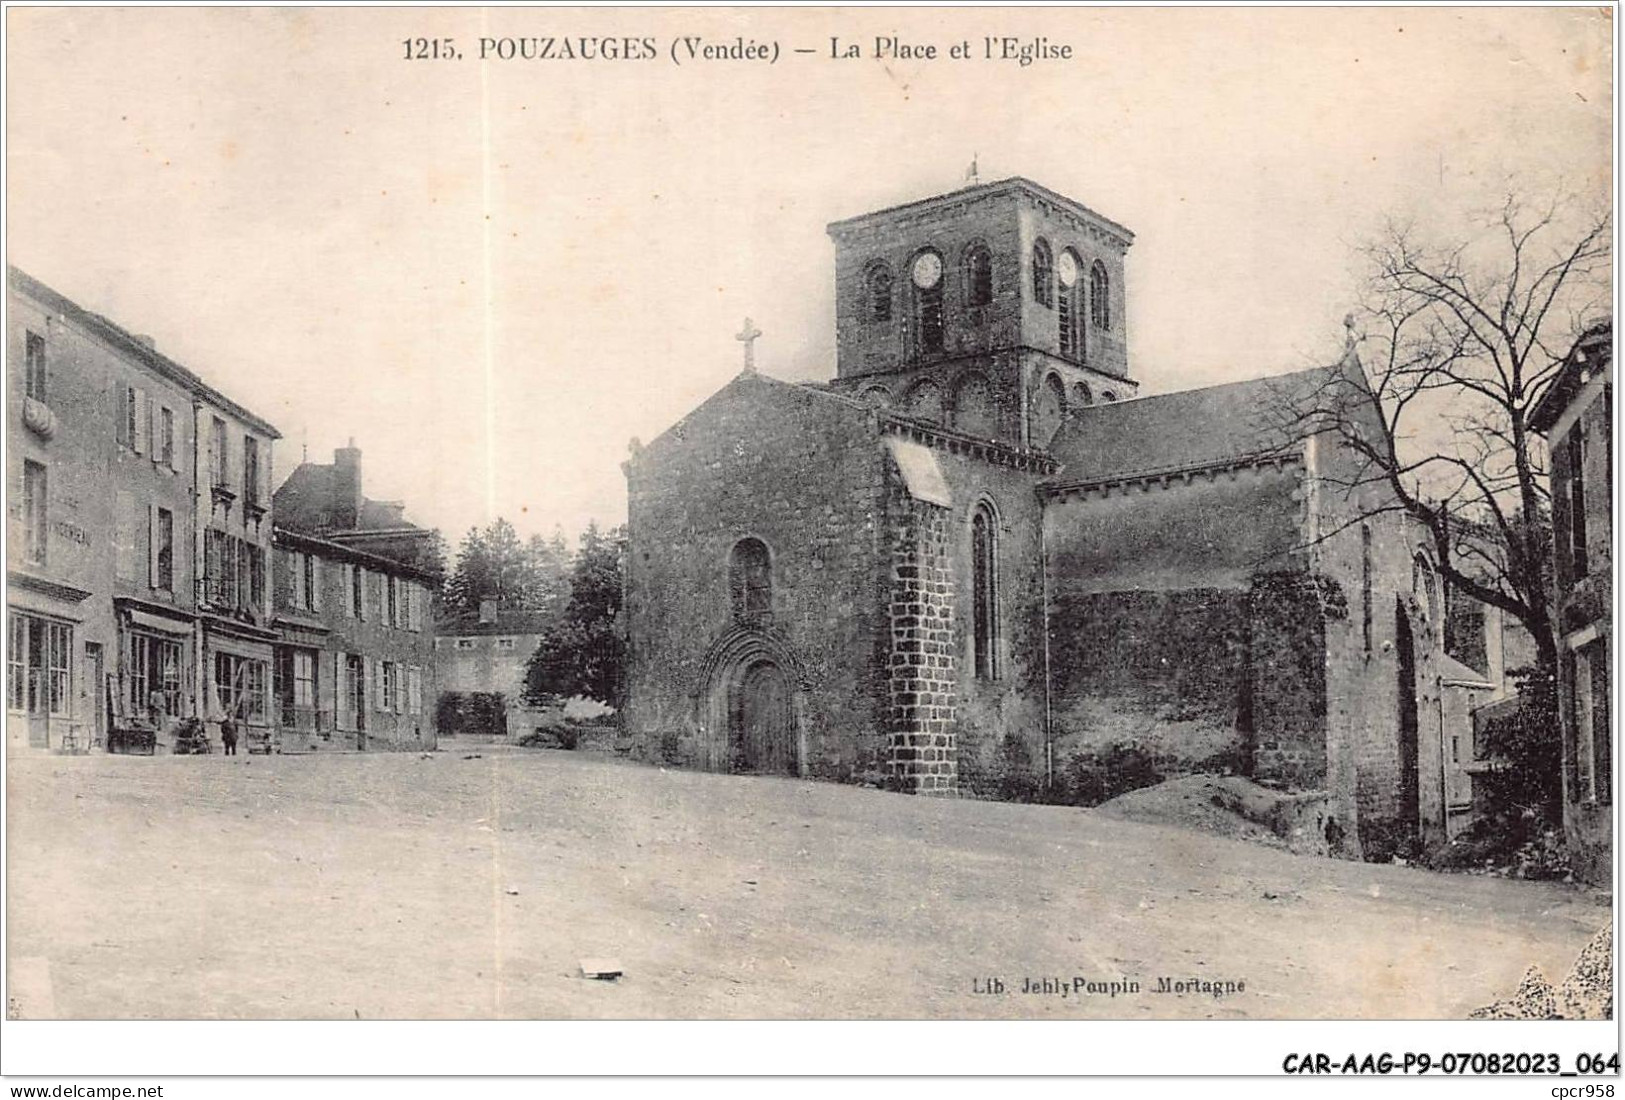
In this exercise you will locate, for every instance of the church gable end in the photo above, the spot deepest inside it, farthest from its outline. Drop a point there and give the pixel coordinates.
(755, 581)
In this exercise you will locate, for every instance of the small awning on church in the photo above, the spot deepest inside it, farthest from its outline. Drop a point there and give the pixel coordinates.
(922, 475)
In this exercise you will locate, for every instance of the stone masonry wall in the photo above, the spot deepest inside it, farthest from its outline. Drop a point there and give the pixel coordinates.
(924, 758)
(1183, 623)
(803, 472)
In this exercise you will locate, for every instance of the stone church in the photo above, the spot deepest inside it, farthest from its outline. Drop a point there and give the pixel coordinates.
(977, 558)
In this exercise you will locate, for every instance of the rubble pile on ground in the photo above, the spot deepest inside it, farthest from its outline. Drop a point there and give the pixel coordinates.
(1586, 994)
(1232, 806)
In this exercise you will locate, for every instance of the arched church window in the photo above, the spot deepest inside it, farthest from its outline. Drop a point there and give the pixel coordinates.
(978, 275)
(750, 580)
(1081, 397)
(1108, 395)
(984, 593)
(926, 275)
(877, 295)
(1069, 299)
(1100, 299)
(1043, 274)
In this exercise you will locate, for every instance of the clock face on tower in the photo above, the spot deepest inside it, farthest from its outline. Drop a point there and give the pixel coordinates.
(927, 270)
(1067, 269)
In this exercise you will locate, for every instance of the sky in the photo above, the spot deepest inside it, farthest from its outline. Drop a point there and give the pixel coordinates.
(493, 274)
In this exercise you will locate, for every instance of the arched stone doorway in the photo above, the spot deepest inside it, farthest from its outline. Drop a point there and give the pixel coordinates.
(751, 704)
(761, 722)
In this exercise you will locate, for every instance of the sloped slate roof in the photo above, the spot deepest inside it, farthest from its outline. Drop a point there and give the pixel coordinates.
(306, 496)
(1189, 429)
(1593, 351)
(507, 622)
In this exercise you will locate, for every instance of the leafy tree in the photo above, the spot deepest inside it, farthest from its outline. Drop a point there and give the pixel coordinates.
(494, 564)
(548, 581)
(1524, 784)
(584, 653)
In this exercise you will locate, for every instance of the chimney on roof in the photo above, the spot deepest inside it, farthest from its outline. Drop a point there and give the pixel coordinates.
(346, 503)
(146, 341)
(488, 611)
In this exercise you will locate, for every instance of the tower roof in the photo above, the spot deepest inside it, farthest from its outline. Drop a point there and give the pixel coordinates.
(981, 191)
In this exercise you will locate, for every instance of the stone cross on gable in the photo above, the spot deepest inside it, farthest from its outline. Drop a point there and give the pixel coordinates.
(747, 336)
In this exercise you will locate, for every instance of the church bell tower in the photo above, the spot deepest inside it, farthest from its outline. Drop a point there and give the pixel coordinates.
(991, 311)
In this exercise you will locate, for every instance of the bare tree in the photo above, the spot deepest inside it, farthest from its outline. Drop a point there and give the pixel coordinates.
(1462, 338)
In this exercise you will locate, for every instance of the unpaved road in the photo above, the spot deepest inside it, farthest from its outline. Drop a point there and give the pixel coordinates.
(379, 886)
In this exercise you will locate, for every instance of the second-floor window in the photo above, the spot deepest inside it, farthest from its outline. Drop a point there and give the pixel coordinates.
(233, 572)
(220, 457)
(251, 470)
(166, 438)
(34, 359)
(35, 512)
(129, 404)
(163, 556)
(304, 581)
(1579, 565)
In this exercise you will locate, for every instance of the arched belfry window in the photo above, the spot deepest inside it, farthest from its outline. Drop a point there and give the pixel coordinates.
(1100, 296)
(1043, 274)
(926, 274)
(978, 276)
(1069, 298)
(750, 580)
(984, 593)
(877, 293)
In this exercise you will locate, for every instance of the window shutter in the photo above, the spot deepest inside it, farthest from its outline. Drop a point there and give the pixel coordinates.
(151, 426)
(400, 688)
(142, 423)
(315, 583)
(152, 546)
(359, 579)
(348, 572)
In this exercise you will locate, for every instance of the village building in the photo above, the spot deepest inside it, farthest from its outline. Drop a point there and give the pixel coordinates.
(1574, 416)
(480, 662)
(138, 605)
(976, 561)
(355, 586)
